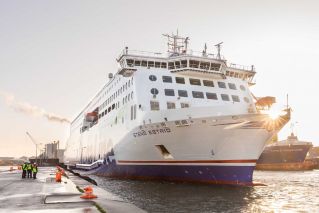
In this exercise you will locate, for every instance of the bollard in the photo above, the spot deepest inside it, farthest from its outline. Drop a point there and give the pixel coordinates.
(88, 193)
(58, 176)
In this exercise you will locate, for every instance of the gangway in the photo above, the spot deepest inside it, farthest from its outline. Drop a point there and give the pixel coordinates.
(91, 166)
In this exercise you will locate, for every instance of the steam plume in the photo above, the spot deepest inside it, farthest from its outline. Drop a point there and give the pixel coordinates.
(29, 109)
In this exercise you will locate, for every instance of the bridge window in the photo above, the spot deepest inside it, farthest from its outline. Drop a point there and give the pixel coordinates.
(137, 63)
(221, 84)
(182, 93)
(194, 81)
(129, 62)
(177, 64)
(225, 97)
(163, 65)
(210, 95)
(167, 79)
(232, 86)
(197, 94)
(171, 65)
(152, 77)
(208, 83)
(144, 63)
(180, 80)
(204, 65)
(150, 64)
(193, 64)
(235, 98)
(214, 67)
(242, 87)
(154, 91)
(157, 64)
(171, 105)
(169, 92)
(184, 63)
(154, 105)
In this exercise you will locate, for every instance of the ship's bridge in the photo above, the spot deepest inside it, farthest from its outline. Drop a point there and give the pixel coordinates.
(179, 59)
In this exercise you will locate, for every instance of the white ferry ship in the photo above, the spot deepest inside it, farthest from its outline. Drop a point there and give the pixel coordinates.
(179, 116)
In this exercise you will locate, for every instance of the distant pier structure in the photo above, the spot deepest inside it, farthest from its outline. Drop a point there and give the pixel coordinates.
(50, 155)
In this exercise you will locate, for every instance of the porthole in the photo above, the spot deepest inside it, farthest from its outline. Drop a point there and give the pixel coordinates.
(242, 88)
(154, 91)
(246, 99)
(152, 78)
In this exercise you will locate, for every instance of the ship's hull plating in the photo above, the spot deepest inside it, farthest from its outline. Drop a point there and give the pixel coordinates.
(214, 174)
(223, 152)
(284, 157)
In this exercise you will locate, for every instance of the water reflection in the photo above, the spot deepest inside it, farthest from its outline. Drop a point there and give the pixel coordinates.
(285, 192)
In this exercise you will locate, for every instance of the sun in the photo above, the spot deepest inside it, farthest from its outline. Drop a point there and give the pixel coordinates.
(273, 114)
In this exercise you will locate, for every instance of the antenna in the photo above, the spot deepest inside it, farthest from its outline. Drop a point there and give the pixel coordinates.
(218, 46)
(186, 44)
(176, 44)
(205, 50)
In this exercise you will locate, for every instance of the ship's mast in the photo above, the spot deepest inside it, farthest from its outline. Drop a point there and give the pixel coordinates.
(176, 44)
(218, 46)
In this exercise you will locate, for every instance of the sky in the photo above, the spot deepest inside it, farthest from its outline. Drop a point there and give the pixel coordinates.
(56, 55)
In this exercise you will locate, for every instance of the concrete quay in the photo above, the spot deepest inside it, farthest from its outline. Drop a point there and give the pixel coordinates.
(45, 195)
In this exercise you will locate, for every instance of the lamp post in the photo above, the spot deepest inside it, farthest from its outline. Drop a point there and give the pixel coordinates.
(36, 145)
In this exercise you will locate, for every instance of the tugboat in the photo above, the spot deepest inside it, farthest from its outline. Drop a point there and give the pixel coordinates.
(286, 155)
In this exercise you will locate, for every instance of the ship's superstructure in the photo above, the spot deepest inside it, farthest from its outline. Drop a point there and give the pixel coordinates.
(178, 116)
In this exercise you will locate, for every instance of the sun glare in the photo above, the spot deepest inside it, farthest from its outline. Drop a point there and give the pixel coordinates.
(273, 114)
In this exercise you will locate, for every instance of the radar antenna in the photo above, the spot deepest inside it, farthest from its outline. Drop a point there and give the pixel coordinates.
(176, 44)
(218, 46)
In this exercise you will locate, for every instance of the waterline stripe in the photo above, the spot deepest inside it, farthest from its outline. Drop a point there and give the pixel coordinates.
(187, 161)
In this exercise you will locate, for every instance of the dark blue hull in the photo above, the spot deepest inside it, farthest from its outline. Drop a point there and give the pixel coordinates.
(214, 174)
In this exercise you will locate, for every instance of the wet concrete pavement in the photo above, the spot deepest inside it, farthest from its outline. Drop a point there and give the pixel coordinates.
(45, 195)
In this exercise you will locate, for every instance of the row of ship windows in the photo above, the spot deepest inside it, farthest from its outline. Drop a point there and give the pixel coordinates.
(155, 106)
(117, 93)
(126, 99)
(197, 82)
(110, 87)
(174, 64)
(198, 94)
(157, 64)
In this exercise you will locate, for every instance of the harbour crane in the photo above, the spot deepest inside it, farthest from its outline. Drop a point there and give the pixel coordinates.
(36, 145)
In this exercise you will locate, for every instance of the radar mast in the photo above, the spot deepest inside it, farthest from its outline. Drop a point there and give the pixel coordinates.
(176, 44)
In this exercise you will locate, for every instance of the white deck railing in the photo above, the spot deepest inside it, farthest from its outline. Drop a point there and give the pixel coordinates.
(89, 166)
